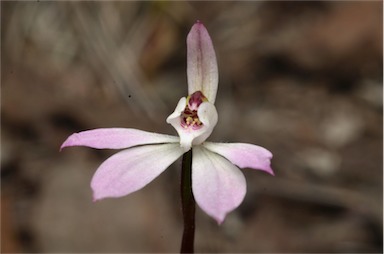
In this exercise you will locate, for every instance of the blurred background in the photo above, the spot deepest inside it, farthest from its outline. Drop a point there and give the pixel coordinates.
(303, 79)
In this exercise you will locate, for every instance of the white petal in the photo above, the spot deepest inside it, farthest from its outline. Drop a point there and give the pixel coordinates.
(218, 185)
(201, 63)
(207, 114)
(132, 169)
(174, 118)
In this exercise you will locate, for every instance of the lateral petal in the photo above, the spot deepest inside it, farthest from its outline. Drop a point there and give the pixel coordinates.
(243, 155)
(218, 185)
(132, 169)
(202, 70)
(208, 116)
(116, 138)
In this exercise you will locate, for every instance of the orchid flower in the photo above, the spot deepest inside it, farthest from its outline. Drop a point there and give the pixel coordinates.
(218, 184)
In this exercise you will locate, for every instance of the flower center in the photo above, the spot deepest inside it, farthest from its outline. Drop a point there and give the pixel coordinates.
(189, 117)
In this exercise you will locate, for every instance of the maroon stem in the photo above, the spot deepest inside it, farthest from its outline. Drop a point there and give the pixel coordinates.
(188, 204)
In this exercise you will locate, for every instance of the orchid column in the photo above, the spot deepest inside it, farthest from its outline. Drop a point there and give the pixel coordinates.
(210, 169)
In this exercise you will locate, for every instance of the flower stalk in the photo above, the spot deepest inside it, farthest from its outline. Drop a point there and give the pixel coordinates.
(187, 204)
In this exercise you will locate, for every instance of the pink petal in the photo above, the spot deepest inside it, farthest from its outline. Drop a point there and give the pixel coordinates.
(243, 155)
(116, 138)
(201, 63)
(218, 185)
(132, 169)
